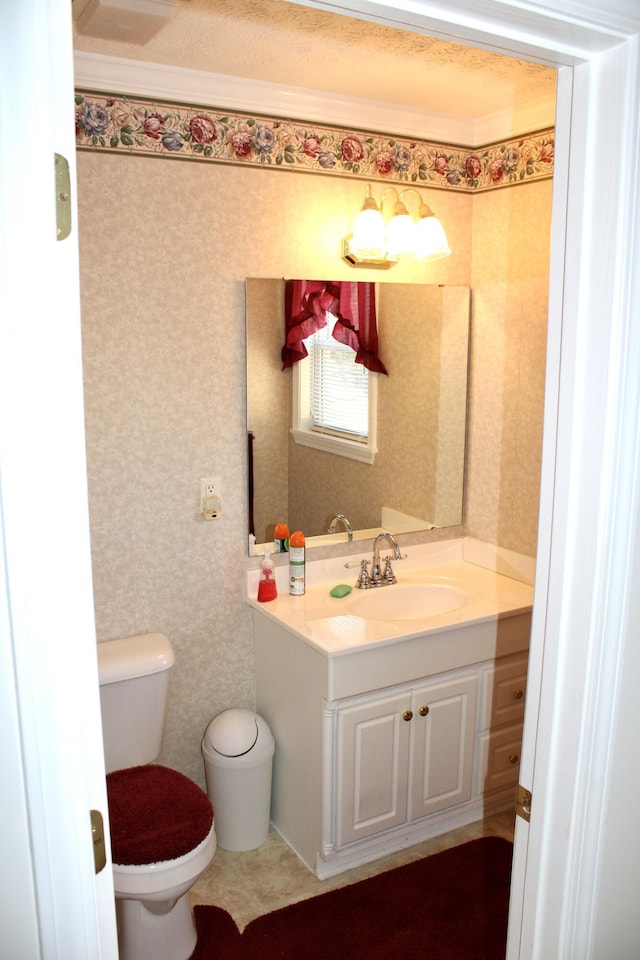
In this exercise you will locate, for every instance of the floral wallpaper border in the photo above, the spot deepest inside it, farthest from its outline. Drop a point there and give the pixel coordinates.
(128, 125)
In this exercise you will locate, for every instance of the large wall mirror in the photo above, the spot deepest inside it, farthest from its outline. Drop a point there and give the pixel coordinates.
(417, 477)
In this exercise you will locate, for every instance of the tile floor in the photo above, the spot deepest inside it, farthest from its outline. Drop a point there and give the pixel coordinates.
(256, 882)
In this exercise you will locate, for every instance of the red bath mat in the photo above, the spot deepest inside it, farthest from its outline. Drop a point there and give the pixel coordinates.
(450, 906)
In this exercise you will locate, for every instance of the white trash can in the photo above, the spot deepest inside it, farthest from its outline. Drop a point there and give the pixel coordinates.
(238, 749)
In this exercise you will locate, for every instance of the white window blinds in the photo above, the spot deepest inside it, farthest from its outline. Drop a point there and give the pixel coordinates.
(339, 387)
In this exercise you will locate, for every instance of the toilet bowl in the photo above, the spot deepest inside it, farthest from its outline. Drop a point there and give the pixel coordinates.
(162, 839)
(153, 912)
(163, 882)
(161, 823)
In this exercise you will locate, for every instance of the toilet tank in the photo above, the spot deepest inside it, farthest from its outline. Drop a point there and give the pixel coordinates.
(134, 680)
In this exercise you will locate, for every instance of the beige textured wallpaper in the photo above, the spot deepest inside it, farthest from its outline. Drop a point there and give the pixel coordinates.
(511, 237)
(165, 248)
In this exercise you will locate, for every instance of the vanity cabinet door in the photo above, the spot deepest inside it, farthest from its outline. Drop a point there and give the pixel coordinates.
(443, 729)
(405, 756)
(372, 767)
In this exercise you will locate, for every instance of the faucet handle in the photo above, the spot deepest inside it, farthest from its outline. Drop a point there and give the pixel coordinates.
(363, 577)
(388, 576)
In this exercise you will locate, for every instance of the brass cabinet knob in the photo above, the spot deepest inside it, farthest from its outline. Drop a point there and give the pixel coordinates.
(514, 758)
(518, 694)
(407, 715)
(424, 710)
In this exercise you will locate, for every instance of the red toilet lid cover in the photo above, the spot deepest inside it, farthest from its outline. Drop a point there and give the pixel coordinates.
(155, 814)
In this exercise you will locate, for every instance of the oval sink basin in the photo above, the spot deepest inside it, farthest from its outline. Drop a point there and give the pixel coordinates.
(407, 601)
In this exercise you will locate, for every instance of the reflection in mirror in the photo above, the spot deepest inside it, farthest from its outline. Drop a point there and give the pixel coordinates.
(416, 479)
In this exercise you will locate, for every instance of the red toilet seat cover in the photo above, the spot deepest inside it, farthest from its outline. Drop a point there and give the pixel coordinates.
(155, 814)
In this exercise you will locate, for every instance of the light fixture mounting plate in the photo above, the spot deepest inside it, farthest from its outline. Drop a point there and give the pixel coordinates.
(356, 261)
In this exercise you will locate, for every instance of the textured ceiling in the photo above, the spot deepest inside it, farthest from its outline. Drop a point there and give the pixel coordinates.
(284, 43)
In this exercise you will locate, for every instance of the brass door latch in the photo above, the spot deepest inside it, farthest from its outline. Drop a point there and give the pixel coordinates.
(97, 834)
(523, 803)
(63, 197)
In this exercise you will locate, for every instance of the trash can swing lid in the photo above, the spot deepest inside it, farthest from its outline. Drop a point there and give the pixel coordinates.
(233, 732)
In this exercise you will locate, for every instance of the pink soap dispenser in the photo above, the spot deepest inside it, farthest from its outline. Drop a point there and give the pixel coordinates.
(267, 583)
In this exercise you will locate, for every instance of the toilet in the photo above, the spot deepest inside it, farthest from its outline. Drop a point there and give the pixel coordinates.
(161, 823)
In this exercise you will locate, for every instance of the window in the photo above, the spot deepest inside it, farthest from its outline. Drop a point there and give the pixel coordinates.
(334, 398)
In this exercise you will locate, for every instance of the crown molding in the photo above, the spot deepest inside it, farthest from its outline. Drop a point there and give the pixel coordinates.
(155, 81)
(537, 114)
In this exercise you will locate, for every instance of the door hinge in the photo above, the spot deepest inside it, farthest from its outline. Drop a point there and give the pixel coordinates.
(63, 197)
(97, 835)
(523, 803)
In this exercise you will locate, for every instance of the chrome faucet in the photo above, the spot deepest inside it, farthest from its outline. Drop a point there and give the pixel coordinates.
(388, 576)
(340, 518)
(377, 578)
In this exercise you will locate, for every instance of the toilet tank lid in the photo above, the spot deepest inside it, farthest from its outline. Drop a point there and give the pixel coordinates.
(134, 657)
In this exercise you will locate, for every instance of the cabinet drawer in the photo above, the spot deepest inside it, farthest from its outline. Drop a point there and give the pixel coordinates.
(498, 759)
(503, 693)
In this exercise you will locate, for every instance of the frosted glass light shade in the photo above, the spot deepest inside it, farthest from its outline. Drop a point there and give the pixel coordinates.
(368, 241)
(400, 234)
(430, 240)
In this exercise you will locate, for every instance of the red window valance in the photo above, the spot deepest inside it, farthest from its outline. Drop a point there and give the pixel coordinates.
(306, 304)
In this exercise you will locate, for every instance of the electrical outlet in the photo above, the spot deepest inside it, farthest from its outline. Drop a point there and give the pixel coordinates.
(210, 498)
(210, 487)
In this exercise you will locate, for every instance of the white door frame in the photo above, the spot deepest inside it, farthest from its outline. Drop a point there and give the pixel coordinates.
(52, 768)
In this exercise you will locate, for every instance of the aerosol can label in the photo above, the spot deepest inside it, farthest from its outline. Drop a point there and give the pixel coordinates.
(296, 571)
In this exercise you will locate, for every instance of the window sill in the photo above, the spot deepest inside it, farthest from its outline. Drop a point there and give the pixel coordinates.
(331, 444)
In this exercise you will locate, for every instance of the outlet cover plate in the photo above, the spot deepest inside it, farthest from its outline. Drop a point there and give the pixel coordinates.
(210, 498)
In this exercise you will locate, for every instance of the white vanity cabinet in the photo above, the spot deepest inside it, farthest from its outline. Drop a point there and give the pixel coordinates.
(402, 757)
(383, 745)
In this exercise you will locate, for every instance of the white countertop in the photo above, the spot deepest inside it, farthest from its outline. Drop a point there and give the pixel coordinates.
(327, 623)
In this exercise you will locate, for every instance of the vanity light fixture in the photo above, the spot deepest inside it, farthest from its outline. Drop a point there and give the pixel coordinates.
(374, 243)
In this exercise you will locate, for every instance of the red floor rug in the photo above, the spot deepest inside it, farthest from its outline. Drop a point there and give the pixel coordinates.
(450, 906)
